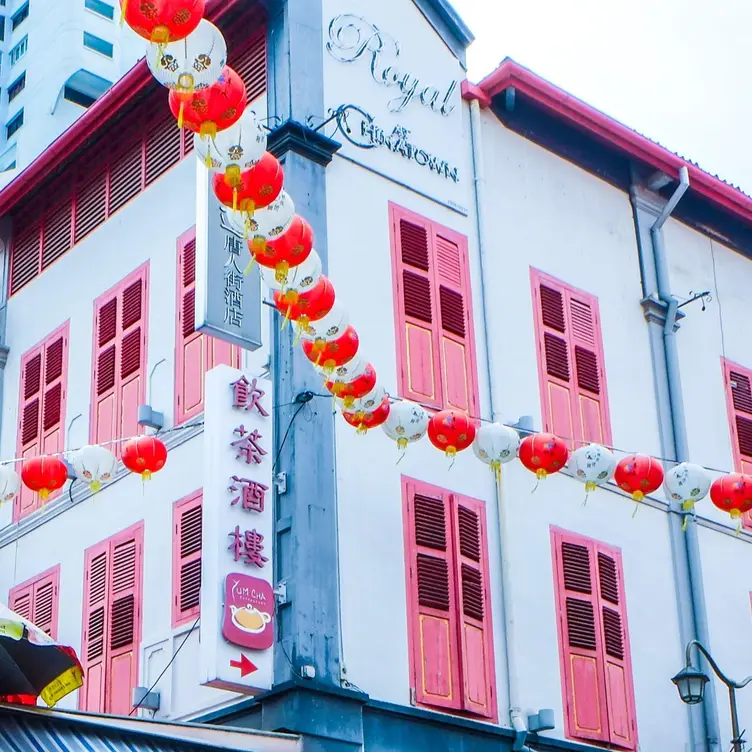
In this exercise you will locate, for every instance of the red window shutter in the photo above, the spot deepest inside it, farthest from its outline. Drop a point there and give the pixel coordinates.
(96, 619)
(42, 400)
(120, 340)
(186, 559)
(738, 384)
(593, 641)
(580, 642)
(432, 611)
(26, 254)
(249, 62)
(617, 660)
(195, 353)
(474, 607)
(37, 600)
(162, 147)
(570, 362)
(417, 316)
(113, 584)
(125, 621)
(457, 352)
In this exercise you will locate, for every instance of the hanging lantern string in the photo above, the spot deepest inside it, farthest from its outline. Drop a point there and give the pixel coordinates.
(159, 434)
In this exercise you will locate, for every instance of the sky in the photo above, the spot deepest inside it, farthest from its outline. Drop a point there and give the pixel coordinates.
(678, 71)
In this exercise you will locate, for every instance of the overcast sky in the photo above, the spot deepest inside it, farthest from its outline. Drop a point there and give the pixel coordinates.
(678, 71)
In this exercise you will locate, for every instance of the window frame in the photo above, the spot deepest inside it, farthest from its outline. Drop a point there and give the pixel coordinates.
(96, 44)
(95, 7)
(23, 13)
(16, 122)
(14, 55)
(19, 80)
(179, 508)
(52, 574)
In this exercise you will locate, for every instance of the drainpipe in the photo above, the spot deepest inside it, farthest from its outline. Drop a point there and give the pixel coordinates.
(516, 717)
(681, 451)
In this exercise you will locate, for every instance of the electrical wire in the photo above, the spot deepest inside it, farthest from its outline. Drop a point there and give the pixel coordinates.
(164, 670)
(302, 404)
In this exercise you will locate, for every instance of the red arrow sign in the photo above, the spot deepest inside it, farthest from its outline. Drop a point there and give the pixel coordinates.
(245, 666)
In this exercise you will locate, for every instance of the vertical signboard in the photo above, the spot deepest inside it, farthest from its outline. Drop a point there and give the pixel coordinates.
(237, 602)
(228, 301)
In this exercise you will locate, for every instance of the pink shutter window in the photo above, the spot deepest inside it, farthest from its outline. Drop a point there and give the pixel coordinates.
(593, 641)
(417, 316)
(37, 600)
(474, 607)
(457, 332)
(617, 660)
(42, 399)
(186, 559)
(738, 384)
(95, 627)
(571, 367)
(195, 353)
(433, 313)
(432, 598)
(112, 622)
(120, 341)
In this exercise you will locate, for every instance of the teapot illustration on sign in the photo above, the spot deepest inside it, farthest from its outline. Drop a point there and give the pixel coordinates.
(249, 619)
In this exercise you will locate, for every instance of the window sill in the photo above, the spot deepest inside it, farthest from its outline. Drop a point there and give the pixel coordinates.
(111, 58)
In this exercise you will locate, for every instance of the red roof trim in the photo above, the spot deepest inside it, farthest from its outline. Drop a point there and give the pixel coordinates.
(599, 125)
(106, 107)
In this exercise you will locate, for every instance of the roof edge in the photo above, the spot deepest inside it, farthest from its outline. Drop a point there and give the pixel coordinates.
(130, 85)
(601, 126)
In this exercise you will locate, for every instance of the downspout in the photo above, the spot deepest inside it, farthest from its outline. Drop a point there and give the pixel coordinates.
(681, 448)
(516, 717)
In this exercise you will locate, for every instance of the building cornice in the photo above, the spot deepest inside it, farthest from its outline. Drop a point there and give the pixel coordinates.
(299, 138)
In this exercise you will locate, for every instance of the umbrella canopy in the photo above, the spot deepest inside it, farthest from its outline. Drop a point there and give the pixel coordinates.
(32, 664)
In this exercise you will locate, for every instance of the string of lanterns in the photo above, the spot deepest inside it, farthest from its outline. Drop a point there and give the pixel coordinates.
(187, 54)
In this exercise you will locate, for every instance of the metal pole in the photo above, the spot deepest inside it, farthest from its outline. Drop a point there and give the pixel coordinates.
(736, 741)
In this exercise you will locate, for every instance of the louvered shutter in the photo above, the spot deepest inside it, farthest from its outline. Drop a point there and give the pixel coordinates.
(738, 381)
(91, 202)
(417, 310)
(26, 255)
(616, 653)
(106, 347)
(554, 363)
(162, 147)
(95, 627)
(580, 642)
(190, 344)
(474, 608)
(20, 600)
(29, 423)
(57, 238)
(125, 620)
(120, 359)
(42, 401)
(37, 600)
(457, 351)
(186, 560)
(571, 365)
(250, 64)
(432, 598)
(132, 354)
(586, 353)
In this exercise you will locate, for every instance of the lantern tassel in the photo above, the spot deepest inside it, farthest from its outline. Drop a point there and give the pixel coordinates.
(95, 486)
(318, 358)
(208, 161)
(402, 446)
(638, 496)
(181, 111)
(362, 430)
(250, 265)
(235, 199)
(123, 9)
(44, 494)
(688, 509)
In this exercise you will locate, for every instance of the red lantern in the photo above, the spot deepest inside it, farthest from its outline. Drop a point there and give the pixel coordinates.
(305, 307)
(451, 431)
(289, 250)
(251, 189)
(335, 352)
(364, 422)
(162, 21)
(732, 493)
(639, 475)
(355, 389)
(543, 454)
(44, 475)
(213, 109)
(144, 455)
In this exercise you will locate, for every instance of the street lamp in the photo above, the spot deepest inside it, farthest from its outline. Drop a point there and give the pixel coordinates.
(691, 682)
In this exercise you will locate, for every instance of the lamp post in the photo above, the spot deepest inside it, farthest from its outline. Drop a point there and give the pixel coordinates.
(691, 681)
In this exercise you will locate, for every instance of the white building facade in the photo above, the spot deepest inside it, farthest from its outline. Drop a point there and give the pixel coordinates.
(492, 245)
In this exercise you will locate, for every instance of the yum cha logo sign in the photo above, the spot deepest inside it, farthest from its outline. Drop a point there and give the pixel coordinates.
(352, 38)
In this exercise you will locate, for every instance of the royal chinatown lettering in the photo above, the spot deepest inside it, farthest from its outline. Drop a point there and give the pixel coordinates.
(352, 37)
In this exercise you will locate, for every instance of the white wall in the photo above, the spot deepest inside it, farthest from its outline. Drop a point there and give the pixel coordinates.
(143, 230)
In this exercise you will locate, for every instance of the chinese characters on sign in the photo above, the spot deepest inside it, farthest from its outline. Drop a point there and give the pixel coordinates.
(233, 283)
(237, 600)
